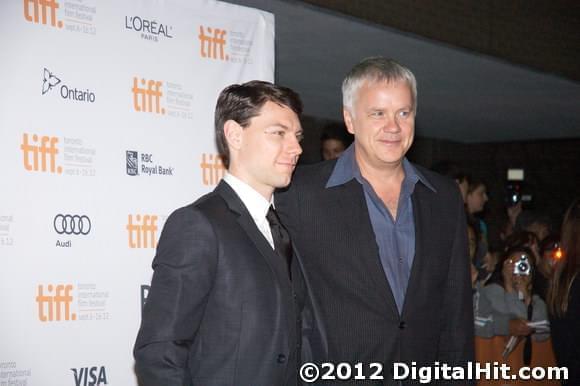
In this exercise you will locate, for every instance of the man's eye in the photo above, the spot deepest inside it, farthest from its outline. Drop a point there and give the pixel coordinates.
(404, 113)
(300, 137)
(377, 114)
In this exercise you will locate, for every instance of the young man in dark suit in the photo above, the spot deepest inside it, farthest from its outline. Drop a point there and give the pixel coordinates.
(383, 240)
(227, 290)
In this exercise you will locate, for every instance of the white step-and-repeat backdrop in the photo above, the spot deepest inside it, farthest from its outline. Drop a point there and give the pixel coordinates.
(106, 127)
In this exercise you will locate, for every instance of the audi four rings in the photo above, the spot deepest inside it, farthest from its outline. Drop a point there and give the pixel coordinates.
(72, 224)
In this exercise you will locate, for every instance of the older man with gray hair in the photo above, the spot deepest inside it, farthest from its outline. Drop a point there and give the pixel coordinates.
(383, 240)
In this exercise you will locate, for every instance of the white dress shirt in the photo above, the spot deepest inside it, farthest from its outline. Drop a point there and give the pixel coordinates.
(256, 204)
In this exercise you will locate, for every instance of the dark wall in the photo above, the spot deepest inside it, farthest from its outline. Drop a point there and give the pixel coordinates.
(540, 34)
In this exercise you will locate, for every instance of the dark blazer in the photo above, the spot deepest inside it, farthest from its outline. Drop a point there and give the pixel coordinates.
(221, 309)
(333, 232)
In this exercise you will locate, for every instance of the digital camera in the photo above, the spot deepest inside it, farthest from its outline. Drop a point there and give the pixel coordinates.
(522, 265)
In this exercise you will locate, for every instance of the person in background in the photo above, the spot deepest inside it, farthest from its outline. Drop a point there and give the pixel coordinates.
(334, 140)
(452, 170)
(475, 200)
(564, 297)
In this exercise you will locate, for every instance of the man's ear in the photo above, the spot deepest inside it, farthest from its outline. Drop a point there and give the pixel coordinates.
(233, 134)
(348, 120)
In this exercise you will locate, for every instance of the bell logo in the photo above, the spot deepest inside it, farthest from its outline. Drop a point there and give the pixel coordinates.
(90, 376)
(147, 95)
(212, 40)
(212, 169)
(142, 232)
(55, 305)
(39, 157)
(36, 11)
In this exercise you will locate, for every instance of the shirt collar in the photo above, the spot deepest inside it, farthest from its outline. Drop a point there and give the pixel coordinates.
(256, 204)
(346, 168)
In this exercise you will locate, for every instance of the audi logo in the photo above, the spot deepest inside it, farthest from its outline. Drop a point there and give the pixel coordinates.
(72, 224)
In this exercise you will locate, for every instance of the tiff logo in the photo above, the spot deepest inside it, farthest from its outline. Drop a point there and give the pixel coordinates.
(38, 157)
(212, 168)
(50, 306)
(36, 11)
(147, 95)
(211, 41)
(90, 376)
(142, 233)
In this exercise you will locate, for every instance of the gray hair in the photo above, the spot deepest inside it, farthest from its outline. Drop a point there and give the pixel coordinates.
(375, 70)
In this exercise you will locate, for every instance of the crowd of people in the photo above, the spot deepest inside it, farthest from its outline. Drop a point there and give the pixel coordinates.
(526, 293)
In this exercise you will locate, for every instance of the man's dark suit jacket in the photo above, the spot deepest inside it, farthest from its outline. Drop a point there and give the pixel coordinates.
(332, 229)
(221, 309)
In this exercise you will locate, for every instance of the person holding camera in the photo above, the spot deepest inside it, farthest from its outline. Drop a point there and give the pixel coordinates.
(511, 320)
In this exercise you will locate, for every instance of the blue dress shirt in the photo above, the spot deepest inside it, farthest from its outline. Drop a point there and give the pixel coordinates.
(395, 237)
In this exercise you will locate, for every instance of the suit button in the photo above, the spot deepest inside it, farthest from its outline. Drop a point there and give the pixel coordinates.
(402, 325)
(281, 358)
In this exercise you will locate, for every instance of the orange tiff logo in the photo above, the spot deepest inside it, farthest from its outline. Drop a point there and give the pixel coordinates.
(147, 95)
(142, 232)
(55, 305)
(40, 157)
(212, 168)
(212, 41)
(36, 11)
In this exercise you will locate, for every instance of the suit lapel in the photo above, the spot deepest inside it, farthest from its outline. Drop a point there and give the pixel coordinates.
(247, 223)
(352, 199)
(422, 199)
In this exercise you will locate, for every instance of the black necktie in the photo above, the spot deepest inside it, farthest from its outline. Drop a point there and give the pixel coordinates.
(281, 237)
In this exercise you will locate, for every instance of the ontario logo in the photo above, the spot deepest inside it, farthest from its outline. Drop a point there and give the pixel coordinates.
(212, 169)
(149, 166)
(51, 81)
(151, 30)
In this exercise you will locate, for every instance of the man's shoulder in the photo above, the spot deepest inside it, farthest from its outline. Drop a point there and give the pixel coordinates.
(313, 175)
(443, 185)
(202, 209)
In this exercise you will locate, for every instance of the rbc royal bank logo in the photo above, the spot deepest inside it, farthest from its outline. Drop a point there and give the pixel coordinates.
(132, 163)
(148, 167)
(212, 43)
(90, 376)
